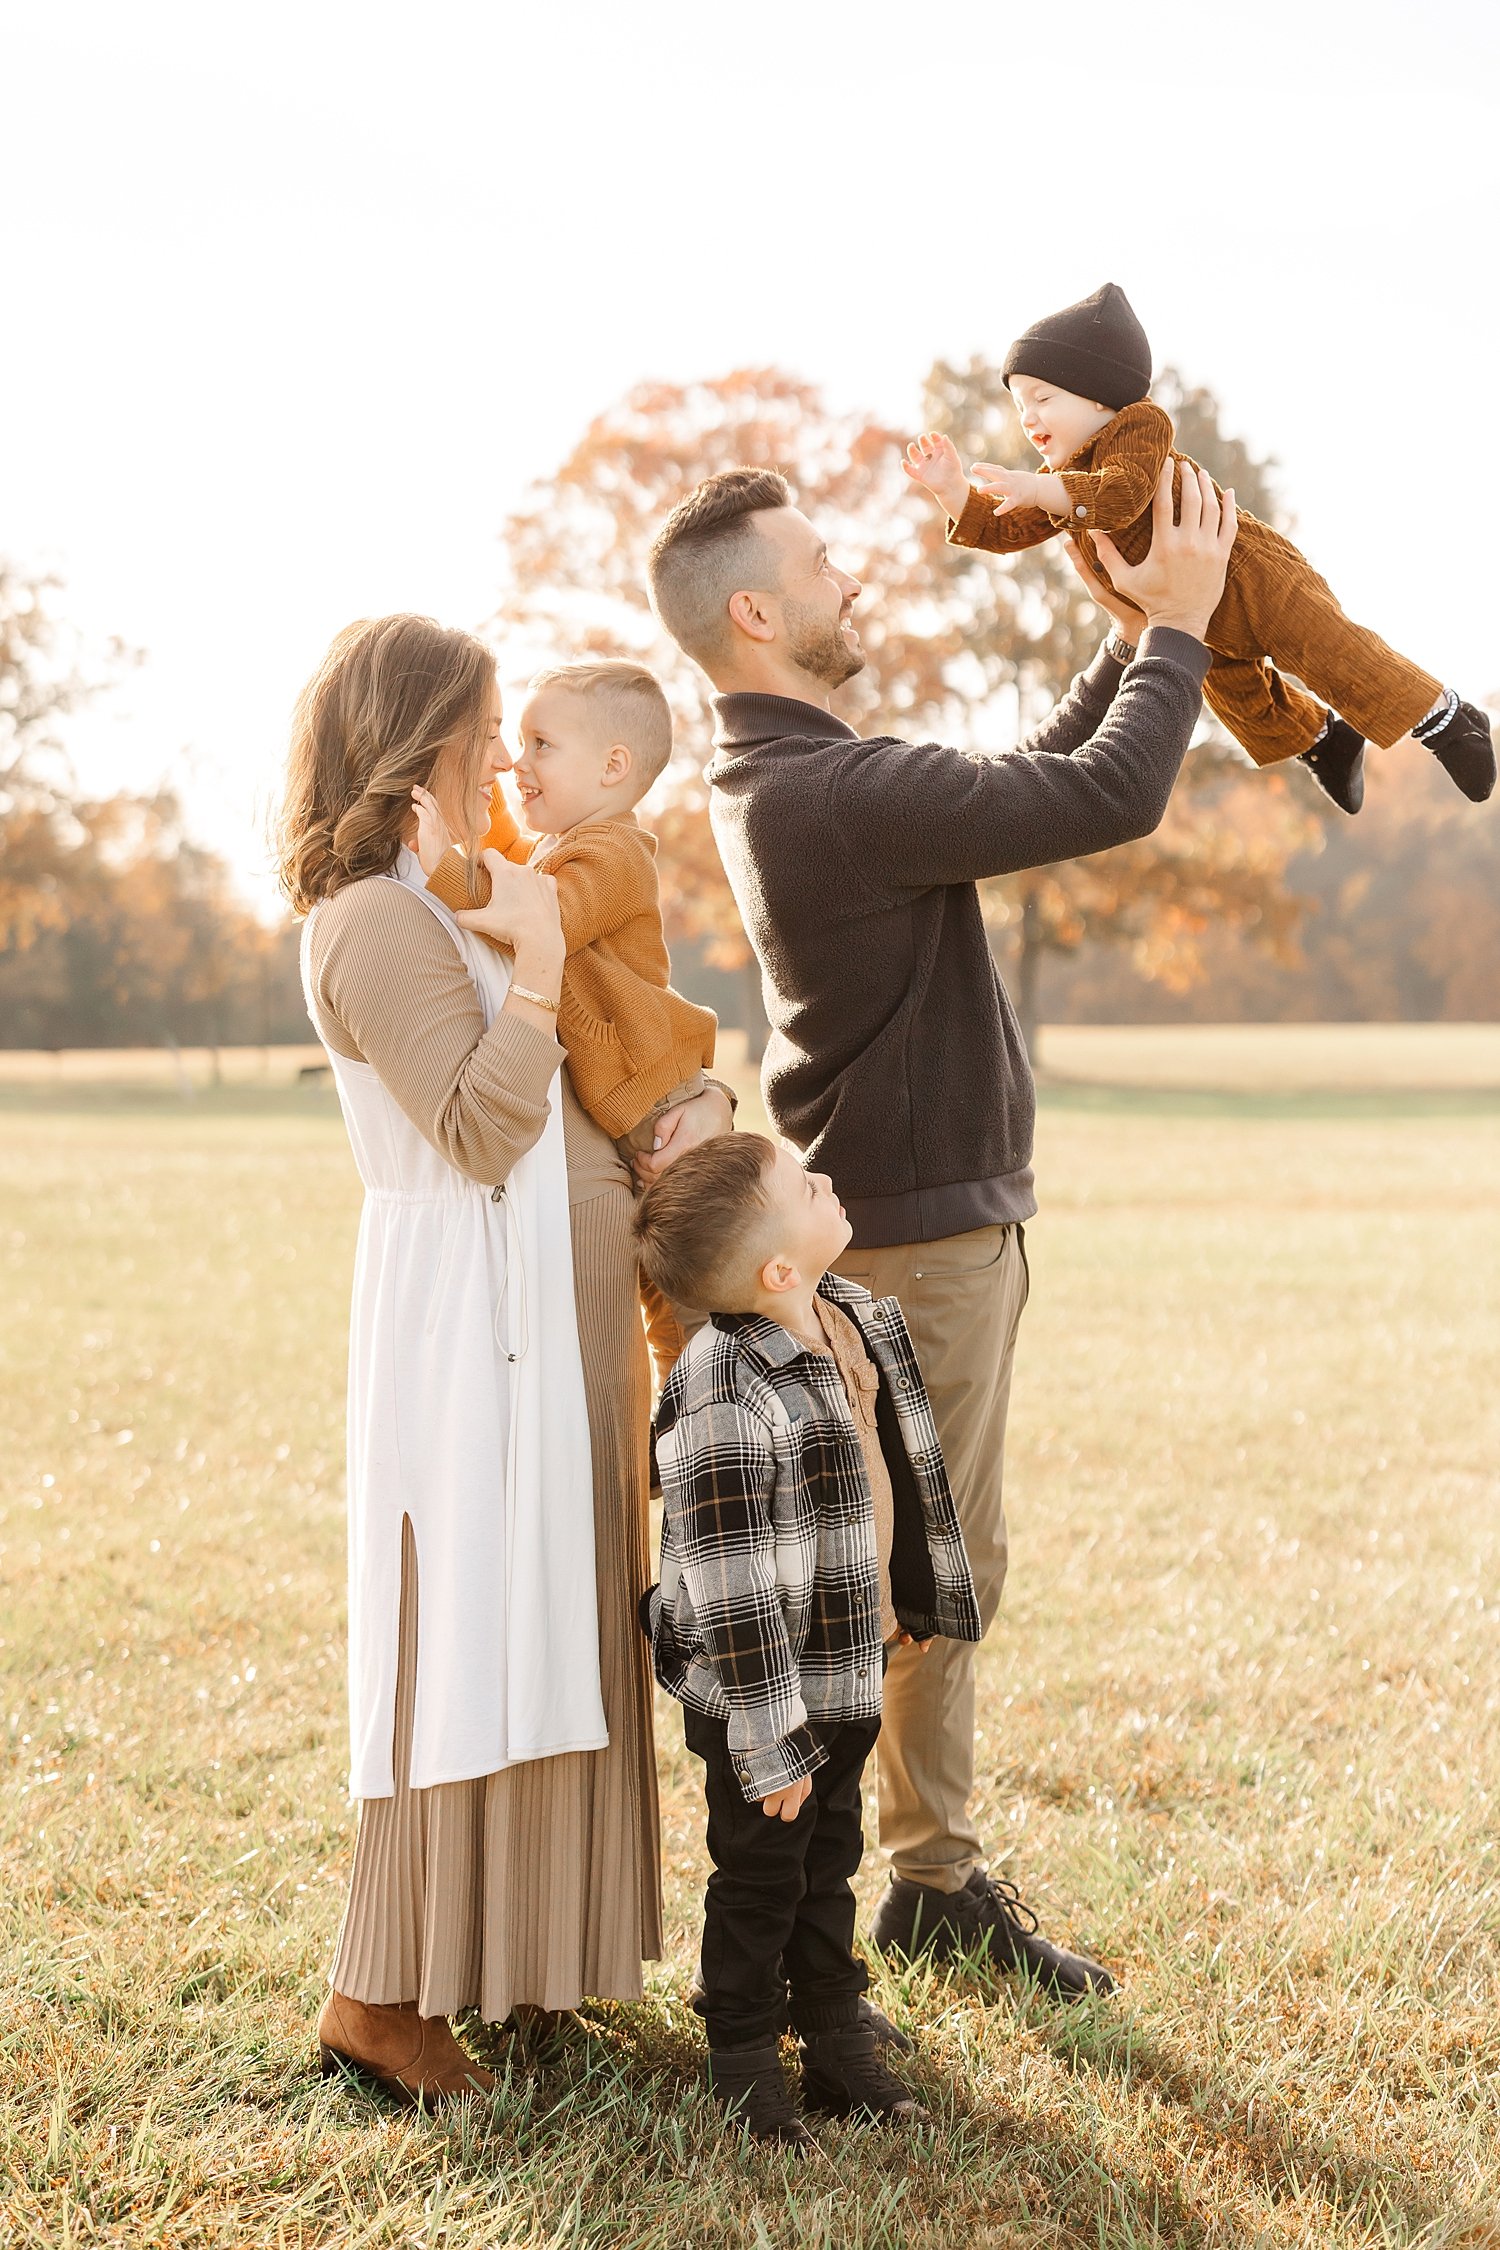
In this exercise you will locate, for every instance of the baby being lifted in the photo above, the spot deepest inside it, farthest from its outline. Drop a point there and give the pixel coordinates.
(1079, 379)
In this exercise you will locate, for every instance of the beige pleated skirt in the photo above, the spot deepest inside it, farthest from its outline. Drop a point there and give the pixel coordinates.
(541, 1884)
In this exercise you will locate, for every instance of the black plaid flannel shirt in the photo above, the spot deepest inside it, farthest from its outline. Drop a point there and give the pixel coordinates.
(768, 1611)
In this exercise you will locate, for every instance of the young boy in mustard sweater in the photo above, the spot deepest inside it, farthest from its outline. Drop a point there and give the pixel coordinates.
(595, 736)
(1079, 379)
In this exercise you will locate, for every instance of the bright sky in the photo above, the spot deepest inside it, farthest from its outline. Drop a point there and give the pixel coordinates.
(299, 297)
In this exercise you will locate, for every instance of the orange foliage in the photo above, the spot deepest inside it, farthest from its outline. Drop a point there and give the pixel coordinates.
(960, 646)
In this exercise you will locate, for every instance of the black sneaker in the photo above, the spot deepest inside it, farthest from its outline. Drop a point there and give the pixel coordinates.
(843, 2076)
(1336, 762)
(1465, 749)
(749, 2085)
(984, 1917)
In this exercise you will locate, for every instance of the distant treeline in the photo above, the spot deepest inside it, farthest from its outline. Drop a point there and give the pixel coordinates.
(133, 936)
(119, 932)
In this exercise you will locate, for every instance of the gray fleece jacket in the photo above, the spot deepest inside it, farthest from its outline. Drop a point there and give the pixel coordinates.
(895, 1060)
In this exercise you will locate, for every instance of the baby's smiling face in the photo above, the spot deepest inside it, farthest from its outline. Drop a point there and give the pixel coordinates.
(1056, 421)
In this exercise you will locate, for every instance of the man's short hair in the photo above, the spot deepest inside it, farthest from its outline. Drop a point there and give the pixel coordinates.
(630, 704)
(699, 1227)
(709, 549)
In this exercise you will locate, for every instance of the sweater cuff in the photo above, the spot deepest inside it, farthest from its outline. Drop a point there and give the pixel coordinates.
(1181, 649)
(519, 1057)
(1082, 489)
(969, 529)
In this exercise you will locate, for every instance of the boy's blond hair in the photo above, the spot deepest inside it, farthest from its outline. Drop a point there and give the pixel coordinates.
(630, 704)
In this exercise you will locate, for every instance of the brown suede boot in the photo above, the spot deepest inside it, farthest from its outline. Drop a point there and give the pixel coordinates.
(415, 2058)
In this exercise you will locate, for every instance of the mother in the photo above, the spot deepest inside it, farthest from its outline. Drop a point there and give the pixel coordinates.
(499, 1690)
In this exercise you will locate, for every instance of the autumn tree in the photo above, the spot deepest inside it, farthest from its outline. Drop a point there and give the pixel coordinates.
(145, 942)
(115, 927)
(44, 678)
(961, 646)
(575, 581)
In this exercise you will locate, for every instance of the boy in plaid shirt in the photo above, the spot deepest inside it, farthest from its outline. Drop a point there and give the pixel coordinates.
(807, 1526)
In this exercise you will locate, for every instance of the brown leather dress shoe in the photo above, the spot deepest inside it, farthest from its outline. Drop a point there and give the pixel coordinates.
(415, 2058)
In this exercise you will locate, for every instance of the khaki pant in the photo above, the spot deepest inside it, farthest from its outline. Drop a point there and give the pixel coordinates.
(963, 1298)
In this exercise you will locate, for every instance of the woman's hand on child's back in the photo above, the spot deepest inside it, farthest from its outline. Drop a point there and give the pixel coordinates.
(703, 1118)
(932, 461)
(522, 913)
(785, 1804)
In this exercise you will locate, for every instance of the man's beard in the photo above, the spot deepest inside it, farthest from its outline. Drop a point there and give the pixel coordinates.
(818, 648)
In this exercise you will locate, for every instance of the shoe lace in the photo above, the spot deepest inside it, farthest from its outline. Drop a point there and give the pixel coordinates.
(1012, 1906)
(764, 2099)
(867, 2079)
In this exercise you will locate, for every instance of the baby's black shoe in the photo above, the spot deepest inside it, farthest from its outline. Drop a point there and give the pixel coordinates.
(843, 2076)
(1461, 741)
(1337, 763)
(749, 2085)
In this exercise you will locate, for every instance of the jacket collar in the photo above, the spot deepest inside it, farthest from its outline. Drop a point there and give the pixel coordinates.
(743, 722)
(775, 1346)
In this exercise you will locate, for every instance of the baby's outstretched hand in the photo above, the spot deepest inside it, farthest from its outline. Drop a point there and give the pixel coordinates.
(932, 460)
(1008, 488)
(433, 838)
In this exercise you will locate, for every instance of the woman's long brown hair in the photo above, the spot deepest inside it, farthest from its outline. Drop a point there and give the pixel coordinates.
(392, 696)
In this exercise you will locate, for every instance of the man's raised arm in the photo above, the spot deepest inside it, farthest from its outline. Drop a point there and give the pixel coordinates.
(912, 818)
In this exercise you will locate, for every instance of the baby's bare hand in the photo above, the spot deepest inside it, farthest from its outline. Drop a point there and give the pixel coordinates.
(1008, 488)
(932, 461)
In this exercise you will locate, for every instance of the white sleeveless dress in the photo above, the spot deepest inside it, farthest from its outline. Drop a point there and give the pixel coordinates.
(467, 1415)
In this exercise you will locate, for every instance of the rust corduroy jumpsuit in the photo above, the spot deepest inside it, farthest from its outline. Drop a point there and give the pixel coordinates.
(1276, 611)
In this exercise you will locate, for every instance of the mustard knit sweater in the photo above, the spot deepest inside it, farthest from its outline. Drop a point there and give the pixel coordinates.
(630, 1038)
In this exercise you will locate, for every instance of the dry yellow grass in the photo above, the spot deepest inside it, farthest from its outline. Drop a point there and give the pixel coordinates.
(1241, 1722)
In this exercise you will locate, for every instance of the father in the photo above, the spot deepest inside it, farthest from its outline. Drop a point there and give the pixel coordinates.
(895, 1061)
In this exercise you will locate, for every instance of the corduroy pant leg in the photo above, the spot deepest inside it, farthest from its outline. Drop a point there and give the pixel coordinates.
(1351, 668)
(1276, 606)
(963, 1298)
(1267, 715)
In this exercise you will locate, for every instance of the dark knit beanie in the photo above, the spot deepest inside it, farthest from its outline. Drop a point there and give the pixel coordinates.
(1096, 349)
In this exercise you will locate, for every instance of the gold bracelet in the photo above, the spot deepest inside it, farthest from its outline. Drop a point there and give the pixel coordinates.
(537, 999)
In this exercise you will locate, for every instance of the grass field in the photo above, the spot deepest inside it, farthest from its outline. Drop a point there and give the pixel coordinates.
(1241, 1720)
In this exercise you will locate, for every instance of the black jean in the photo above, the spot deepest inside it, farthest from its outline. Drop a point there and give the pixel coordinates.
(778, 1914)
